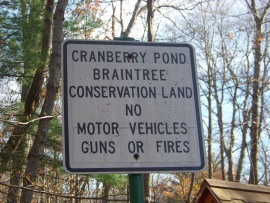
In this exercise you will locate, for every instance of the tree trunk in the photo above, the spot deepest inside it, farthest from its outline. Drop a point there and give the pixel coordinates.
(132, 20)
(255, 114)
(150, 20)
(191, 187)
(219, 102)
(229, 151)
(246, 118)
(243, 147)
(210, 126)
(36, 152)
(105, 192)
(146, 177)
(146, 187)
(113, 20)
(18, 164)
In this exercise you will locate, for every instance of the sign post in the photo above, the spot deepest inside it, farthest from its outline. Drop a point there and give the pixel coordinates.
(136, 188)
(136, 184)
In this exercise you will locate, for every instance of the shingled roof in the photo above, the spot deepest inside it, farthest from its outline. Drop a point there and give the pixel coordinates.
(216, 191)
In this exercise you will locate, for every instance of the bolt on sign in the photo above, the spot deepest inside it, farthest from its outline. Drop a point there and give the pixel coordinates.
(130, 107)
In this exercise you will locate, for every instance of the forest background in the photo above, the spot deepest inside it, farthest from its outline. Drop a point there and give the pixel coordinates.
(231, 39)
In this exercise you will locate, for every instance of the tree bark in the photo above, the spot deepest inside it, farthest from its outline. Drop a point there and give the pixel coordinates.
(146, 187)
(246, 112)
(219, 102)
(150, 20)
(255, 114)
(146, 177)
(210, 128)
(36, 152)
(15, 176)
(105, 192)
(132, 20)
(191, 187)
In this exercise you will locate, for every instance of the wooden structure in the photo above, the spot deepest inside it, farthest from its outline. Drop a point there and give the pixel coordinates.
(216, 191)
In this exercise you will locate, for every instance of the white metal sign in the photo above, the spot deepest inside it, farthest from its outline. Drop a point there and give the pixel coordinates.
(130, 107)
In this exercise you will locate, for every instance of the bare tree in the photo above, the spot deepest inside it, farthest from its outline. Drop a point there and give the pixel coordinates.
(259, 15)
(226, 79)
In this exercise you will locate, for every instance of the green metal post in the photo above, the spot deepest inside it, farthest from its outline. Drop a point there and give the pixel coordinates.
(136, 189)
(136, 186)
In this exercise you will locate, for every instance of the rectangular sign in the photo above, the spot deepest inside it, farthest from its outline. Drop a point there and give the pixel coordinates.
(130, 107)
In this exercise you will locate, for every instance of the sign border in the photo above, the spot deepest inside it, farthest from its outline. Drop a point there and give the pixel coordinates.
(65, 134)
